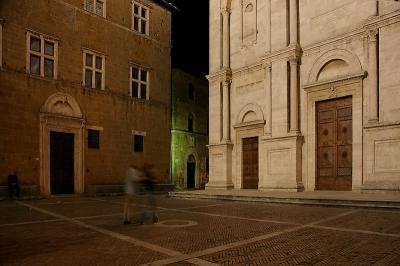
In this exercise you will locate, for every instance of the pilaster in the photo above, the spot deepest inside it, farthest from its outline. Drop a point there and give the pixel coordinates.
(220, 166)
(282, 164)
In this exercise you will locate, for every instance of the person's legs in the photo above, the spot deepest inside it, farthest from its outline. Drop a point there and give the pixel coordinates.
(10, 190)
(17, 190)
(127, 215)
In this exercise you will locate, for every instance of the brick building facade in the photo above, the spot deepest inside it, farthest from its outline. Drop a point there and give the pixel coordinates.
(84, 91)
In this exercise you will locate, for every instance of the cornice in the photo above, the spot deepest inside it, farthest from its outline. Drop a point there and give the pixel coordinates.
(292, 51)
(222, 74)
(376, 22)
(355, 76)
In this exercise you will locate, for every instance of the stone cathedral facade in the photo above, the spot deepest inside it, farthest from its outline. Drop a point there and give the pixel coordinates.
(304, 95)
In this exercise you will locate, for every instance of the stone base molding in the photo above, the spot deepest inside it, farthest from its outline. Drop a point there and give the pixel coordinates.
(220, 166)
(282, 163)
(381, 158)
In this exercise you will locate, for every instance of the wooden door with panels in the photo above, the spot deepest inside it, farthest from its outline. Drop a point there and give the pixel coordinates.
(250, 163)
(334, 144)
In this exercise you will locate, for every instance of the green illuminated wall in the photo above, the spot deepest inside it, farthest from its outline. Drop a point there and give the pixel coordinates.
(183, 142)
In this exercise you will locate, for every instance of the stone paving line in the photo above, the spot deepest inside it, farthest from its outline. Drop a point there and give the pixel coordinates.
(122, 237)
(60, 220)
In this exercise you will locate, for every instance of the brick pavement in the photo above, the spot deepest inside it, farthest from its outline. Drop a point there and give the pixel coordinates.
(88, 231)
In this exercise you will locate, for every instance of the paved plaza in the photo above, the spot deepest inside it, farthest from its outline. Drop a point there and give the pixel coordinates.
(89, 231)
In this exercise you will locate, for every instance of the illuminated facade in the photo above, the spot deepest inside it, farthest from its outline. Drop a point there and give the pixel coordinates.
(189, 130)
(304, 96)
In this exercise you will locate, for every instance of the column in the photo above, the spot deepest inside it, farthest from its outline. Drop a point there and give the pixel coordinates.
(373, 76)
(226, 111)
(268, 100)
(268, 44)
(226, 37)
(294, 95)
(293, 22)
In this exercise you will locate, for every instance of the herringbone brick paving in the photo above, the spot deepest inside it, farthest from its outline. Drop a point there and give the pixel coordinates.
(89, 231)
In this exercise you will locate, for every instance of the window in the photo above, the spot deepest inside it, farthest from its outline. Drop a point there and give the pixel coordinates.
(93, 70)
(190, 123)
(139, 82)
(138, 143)
(41, 59)
(140, 18)
(138, 140)
(96, 6)
(191, 91)
(93, 139)
(1, 43)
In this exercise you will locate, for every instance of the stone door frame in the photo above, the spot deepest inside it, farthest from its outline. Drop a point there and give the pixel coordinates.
(61, 113)
(327, 90)
(247, 130)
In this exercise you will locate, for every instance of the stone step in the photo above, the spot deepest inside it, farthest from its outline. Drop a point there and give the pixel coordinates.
(371, 201)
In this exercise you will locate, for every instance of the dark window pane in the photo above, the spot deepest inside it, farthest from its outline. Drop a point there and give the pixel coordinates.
(191, 92)
(136, 23)
(144, 12)
(35, 64)
(99, 62)
(143, 27)
(93, 139)
(98, 80)
(190, 123)
(35, 44)
(89, 60)
(138, 143)
(136, 9)
(99, 8)
(88, 78)
(135, 73)
(48, 68)
(49, 48)
(89, 5)
(143, 75)
(135, 89)
(143, 91)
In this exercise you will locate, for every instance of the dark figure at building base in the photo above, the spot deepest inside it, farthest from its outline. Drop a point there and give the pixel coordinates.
(13, 184)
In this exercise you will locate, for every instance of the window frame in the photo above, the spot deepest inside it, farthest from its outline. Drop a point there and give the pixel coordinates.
(140, 18)
(139, 81)
(87, 139)
(141, 134)
(93, 69)
(94, 2)
(43, 39)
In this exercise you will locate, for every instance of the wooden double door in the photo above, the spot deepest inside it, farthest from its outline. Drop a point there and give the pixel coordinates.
(334, 144)
(250, 163)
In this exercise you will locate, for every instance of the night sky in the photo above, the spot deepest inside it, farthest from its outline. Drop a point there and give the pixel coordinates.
(190, 36)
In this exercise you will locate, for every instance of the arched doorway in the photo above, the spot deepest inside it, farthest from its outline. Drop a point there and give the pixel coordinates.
(191, 172)
(61, 146)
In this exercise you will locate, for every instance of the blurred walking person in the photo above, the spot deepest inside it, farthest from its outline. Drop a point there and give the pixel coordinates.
(132, 188)
(149, 186)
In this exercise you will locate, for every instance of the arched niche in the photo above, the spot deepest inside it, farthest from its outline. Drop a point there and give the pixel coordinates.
(334, 64)
(62, 104)
(250, 113)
